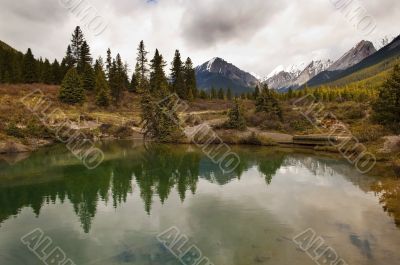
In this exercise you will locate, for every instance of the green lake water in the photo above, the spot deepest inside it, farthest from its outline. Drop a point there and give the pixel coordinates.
(114, 213)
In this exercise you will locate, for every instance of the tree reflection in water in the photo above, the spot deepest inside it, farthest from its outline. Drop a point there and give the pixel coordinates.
(51, 176)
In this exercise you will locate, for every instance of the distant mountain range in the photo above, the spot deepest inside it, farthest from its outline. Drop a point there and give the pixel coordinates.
(218, 73)
(384, 56)
(285, 79)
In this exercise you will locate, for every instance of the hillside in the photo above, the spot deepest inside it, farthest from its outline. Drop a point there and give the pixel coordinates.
(7, 47)
(387, 54)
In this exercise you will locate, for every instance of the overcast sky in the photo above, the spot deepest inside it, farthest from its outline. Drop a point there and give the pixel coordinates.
(255, 35)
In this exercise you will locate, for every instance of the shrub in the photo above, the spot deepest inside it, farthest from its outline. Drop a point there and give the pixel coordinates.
(368, 133)
(13, 130)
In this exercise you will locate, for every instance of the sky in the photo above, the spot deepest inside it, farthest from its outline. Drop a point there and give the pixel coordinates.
(255, 35)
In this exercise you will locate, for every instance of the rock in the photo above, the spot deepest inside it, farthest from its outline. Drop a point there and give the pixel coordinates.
(10, 147)
(391, 144)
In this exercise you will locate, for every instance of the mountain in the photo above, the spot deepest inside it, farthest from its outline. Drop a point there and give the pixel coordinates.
(313, 69)
(358, 53)
(385, 55)
(295, 75)
(282, 77)
(220, 74)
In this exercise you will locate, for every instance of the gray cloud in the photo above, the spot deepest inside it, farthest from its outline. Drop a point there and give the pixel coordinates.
(207, 22)
(255, 35)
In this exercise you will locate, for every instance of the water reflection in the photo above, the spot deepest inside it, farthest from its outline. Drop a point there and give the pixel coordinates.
(54, 175)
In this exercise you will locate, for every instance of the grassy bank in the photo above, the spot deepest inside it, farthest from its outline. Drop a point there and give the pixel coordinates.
(19, 125)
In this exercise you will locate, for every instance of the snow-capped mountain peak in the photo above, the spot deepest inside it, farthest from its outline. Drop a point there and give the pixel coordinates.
(276, 71)
(361, 51)
(221, 74)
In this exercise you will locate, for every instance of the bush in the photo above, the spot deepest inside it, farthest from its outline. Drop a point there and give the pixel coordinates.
(368, 133)
(13, 130)
(265, 121)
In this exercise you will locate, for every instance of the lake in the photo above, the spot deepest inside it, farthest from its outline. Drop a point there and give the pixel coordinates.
(152, 205)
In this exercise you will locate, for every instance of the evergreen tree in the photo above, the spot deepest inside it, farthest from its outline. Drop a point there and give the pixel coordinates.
(190, 79)
(68, 61)
(29, 70)
(133, 85)
(236, 117)
(142, 69)
(56, 72)
(103, 96)
(88, 78)
(203, 94)
(256, 92)
(71, 91)
(98, 66)
(177, 76)
(46, 73)
(158, 80)
(117, 79)
(229, 94)
(220, 93)
(84, 57)
(126, 77)
(108, 63)
(268, 102)
(76, 45)
(213, 94)
(160, 119)
(387, 106)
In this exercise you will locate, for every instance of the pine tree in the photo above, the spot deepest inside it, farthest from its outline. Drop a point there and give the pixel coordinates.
(158, 80)
(229, 94)
(68, 61)
(108, 64)
(236, 117)
(76, 44)
(267, 102)
(256, 92)
(177, 76)
(117, 79)
(387, 106)
(56, 72)
(203, 94)
(220, 93)
(71, 91)
(133, 85)
(160, 119)
(103, 96)
(142, 69)
(46, 73)
(88, 78)
(29, 70)
(213, 94)
(84, 57)
(190, 79)
(98, 66)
